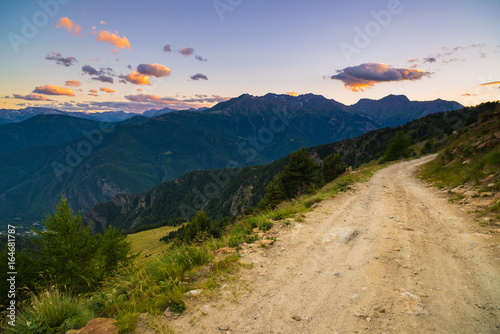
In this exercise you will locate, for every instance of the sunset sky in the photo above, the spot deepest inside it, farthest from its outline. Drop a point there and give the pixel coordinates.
(133, 56)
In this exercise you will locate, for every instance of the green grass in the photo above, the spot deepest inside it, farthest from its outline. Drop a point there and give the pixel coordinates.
(161, 282)
(473, 158)
(52, 311)
(148, 242)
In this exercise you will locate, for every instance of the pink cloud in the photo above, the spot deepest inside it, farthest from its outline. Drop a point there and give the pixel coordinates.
(73, 83)
(113, 39)
(32, 97)
(69, 26)
(53, 90)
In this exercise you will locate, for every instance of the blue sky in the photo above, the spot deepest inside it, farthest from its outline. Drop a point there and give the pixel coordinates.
(342, 50)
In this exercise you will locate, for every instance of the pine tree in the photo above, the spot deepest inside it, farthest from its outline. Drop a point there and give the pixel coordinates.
(199, 226)
(299, 175)
(274, 194)
(65, 250)
(399, 148)
(333, 166)
(68, 255)
(113, 250)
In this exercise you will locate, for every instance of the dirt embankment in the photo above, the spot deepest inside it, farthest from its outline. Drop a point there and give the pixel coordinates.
(391, 256)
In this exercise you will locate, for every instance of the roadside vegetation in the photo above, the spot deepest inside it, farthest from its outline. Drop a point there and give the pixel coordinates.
(71, 276)
(472, 159)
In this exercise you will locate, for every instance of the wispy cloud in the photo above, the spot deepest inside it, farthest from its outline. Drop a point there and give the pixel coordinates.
(200, 58)
(448, 55)
(70, 26)
(104, 74)
(494, 83)
(53, 90)
(358, 78)
(32, 97)
(144, 101)
(199, 76)
(103, 78)
(60, 60)
(107, 90)
(113, 39)
(167, 48)
(72, 83)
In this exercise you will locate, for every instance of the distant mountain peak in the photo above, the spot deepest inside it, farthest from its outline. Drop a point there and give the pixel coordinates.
(395, 98)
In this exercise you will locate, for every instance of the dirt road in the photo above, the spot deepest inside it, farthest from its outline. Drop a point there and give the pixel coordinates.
(391, 256)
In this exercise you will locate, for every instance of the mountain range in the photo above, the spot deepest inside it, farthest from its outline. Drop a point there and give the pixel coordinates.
(14, 116)
(226, 192)
(92, 161)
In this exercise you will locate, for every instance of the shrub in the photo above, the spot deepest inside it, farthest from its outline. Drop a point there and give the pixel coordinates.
(52, 312)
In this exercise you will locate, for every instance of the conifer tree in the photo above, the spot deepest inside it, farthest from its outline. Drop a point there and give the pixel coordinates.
(333, 166)
(399, 148)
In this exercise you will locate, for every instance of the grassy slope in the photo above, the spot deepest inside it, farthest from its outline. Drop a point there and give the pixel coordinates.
(472, 159)
(148, 243)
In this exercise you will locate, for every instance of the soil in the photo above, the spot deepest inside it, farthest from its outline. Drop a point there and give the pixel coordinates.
(392, 255)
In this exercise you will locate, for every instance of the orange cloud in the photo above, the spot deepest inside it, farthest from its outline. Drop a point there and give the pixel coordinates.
(69, 26)
(102, 22)
(139, 89)
(73, 83)
(93, 94)
(155, 70)
(358, 78)
(113, 39)
(53, 90)
(136, 78)
(32, 97)
(494, 83)
(292, 93)
(107, 90)
(93, 91)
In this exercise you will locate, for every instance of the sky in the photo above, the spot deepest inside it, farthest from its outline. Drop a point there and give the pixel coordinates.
(127, 55)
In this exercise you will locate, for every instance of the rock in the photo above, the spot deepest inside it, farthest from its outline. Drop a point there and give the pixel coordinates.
(458, 190)
(193, 293)
(360, 315)
(413, 303)
(267, 242)
(487, 194)
(497, 134)
(314, 206)
(296, 318)
(261, 235)
(256, 230)
(463, 201)
(223, 328)
(471, 193)
(73, 331)
(169, 314)
(226, 250)
(100, 326)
